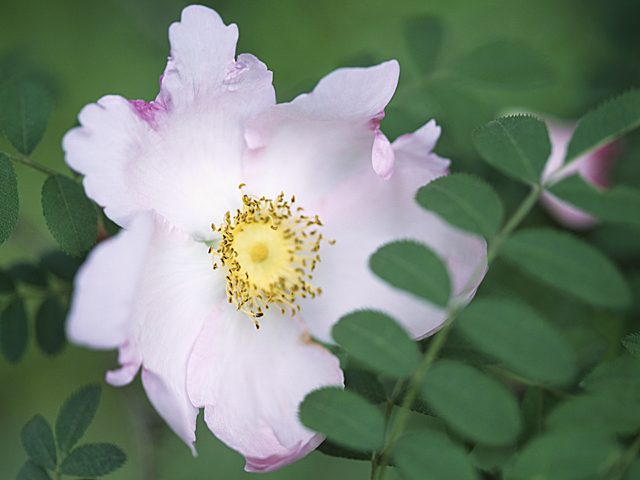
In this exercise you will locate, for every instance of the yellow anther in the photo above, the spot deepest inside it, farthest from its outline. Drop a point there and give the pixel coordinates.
(269, 253)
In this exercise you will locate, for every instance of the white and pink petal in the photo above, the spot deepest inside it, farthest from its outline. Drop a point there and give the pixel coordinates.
(106, 287)
(366, 212)
(308, 146)
(179, 155)
(251, 381)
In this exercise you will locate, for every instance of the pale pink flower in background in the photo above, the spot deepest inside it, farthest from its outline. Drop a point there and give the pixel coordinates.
(593, 167)
(166, 170)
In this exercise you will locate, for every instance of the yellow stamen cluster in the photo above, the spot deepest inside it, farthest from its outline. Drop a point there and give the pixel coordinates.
(269, 251)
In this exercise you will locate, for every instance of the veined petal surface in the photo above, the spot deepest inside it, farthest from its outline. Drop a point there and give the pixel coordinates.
(310, 145)
(250, 382)
(179, 155)
(365, 212)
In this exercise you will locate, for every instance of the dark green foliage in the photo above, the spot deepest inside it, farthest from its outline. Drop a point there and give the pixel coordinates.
(37, 439)
(518, 146)
(413, 267)
(458, 347)
(365, 384)
(563, 261)
(418, 405)
(336, 450)
(93, 460)
(423, 36)
(477, 406)
(619, 204)
(29, 274)
(605, 123)
(9, 201)
(520, 338)
(569, 455)
(430, 455)
(464, 201)
(61, 265)
(344, 417)
(25, 108)
(505, 63)
(70, 215)
(619, 377)
(632, 343)
(49, 326)
(14, 330)
(490, 459)
(32, 471)
(89, 460)
(602, 412)
(75, 416)
(536, 404)
(6, 283)
(377, 341)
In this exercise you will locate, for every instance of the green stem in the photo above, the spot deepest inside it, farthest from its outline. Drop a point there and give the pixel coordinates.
(439, 338)
(30, 163)
(401, 419)
(387, 417)
(513, 222)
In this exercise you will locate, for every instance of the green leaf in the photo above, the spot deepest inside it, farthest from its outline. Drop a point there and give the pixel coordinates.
(344, 417)
(61, 265)
(571, 455)
(632, 343)
(31, 471)
(561, 260)
(418, 405)
(633, 472)
(93, 460)
(619, 377)
(619, 204)
(14, 331)
(37, 439)
(430, 455)
(70, 215)
(25, 109)
(50, 321)
(505, 64)
(536, 404)
(9, 201)
(601, 412)
(605, 123)
(336, 450)
(464, 201)
(377, 341)
(519, 337)
(75, 416)
(414, 268)
(458, 347)
(365, 384)
(477, 406)
(460, 109)
(6, 283)
(423, 37)
(490, 459)
(518, 146)
(30, 274)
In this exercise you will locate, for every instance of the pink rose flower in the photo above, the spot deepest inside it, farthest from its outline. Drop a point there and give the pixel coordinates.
(593, 167)
(182, 299)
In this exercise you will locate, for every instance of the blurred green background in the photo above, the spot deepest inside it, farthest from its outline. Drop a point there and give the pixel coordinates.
(84, 49)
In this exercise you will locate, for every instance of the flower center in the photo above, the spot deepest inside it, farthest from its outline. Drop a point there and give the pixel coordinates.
(269, 251)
